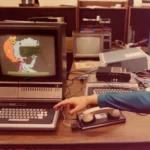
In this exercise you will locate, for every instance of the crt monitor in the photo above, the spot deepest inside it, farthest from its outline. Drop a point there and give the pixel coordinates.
(32, 52)
(90, 44)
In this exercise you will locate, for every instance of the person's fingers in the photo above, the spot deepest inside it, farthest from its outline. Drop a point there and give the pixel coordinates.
(62, 103)
(59, 104)
(75, 110)
(71, 106)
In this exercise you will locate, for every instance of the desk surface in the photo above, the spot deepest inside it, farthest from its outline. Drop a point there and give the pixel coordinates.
(135, 130)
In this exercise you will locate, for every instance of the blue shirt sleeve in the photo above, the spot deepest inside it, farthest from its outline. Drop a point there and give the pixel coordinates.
(131, 101)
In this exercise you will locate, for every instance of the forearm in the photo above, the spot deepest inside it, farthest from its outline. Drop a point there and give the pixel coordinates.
(93, 99)
(134, 101)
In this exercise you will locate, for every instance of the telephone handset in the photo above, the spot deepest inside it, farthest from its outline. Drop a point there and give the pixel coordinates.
(88, 115)
(98, 117)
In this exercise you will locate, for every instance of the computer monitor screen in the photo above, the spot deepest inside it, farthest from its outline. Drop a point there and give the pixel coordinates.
(32, 51)
(90, 44)
(27, 55)
(84, 45)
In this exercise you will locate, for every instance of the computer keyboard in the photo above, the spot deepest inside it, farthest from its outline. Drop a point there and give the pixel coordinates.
(101, 90)
(26, 115)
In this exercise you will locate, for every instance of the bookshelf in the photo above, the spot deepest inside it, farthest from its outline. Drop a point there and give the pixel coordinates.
(118, 15)
(139, 21)
(122, 18)
(23, 13)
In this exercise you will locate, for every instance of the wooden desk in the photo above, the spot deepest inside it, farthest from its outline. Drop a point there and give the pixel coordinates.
(134, 134)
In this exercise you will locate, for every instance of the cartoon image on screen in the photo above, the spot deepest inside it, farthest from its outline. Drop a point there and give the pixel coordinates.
(28, 56)
(12, 51)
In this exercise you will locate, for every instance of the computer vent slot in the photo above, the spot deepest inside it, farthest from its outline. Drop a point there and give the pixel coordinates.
(39, 92)
(35, 89)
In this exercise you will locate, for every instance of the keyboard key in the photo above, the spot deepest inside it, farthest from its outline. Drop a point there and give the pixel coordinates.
(18, 119)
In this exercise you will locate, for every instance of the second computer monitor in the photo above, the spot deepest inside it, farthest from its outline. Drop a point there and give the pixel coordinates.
(90, 44)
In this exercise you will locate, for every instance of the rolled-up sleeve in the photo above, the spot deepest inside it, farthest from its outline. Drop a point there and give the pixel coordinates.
(132, 101)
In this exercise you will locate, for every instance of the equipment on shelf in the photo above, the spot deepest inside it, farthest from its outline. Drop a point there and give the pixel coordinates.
(47, 19)
(27, 3)
(98, 24)
(140, 43)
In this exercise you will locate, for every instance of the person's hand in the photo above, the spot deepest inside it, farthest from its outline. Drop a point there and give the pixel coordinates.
(77, 104)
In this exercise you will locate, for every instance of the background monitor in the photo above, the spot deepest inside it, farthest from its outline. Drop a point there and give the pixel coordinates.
(90, 44)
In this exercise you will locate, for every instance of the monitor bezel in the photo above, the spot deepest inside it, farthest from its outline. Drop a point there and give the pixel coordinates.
(87, 34)
(58, 28)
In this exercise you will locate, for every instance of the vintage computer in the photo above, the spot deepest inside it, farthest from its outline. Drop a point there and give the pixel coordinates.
(134, 59)
(90, 44)
(32, 74)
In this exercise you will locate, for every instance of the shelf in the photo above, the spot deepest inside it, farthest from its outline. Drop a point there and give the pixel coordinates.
(73, 14)
(52, 7)
(140, 7)
(122, 8)
(103, 4)
(139, 22)
(23, 13)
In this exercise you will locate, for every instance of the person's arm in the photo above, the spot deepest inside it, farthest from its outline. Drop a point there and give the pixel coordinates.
(133, 101)
(77, 104)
